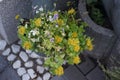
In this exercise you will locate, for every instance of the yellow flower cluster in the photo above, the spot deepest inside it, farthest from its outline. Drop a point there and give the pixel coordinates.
(75, 43)
(76, 48)
(27, 45)
(76, 60)
(58, 39)
(21, 30)
(71, 11)
(89, 44)
(60, 22)
(37, 22)
(59, 71)
(74, 34)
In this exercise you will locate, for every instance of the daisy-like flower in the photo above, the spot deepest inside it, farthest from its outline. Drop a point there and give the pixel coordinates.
(27, 45)
(37, 22)
(21, 30)
(59, 71)
(76, 60)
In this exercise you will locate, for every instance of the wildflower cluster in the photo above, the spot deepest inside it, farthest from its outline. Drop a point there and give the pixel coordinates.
(58, 35)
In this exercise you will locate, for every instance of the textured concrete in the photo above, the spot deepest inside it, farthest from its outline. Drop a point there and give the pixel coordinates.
(9, 74)
(8, 10)
(113, 10)
(103, 38)
(3, 63)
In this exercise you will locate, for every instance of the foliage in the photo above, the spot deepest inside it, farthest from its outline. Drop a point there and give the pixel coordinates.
(95, 13)
(91, 1)
(58, 35)
(112, 73)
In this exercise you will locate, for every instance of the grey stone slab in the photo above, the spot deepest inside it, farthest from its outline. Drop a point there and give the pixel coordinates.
(3, 63)
(72, 73)
(86, 66)
(96, 74)
(113, 10)
(9, 74)
(104, 39)
(8, 10)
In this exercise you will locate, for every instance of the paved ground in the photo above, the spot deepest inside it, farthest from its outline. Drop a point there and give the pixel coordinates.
(87, 70)
(84, 71)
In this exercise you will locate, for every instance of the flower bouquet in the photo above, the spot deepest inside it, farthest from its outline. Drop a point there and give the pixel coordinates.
(58, 34)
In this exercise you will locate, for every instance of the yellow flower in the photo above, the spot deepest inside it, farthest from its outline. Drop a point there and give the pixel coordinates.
(73, 41)
(17, 17)
(90, 48)
(76, 48)
(27, 45)
(37, 22)
(59, 71)
(21, 30)
(76, 60)
(60, 22)
(89, 44)
(58, 39)
(71, 11)
(74, 34)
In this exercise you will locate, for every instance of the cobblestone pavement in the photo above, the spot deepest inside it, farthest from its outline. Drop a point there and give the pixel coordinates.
(18, 64)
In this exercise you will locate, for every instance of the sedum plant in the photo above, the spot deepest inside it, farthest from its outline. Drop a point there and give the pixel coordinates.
(58, 35)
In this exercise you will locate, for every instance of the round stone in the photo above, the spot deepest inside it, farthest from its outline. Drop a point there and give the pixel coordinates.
(3, 44)
(39, 78)
(21, 71)
(15, 48)
(23, 56)
(39, 61)
(46, 76)
(1, 0)
(32, 73)
(17, 64)
(29, 64)
(34, 55)
(11, 57)
(25, 77)
(6, 52)
(40, 69)
(28, 51)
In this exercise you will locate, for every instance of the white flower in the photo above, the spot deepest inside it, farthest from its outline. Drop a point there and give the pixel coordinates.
(54, 4)
(56, 25)
(50, 18)
(41, 9)
(47, 32)
(37, 11)
(26, 25)
(63, 34)
(35, 7)
(34, 32)
(29, 35)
